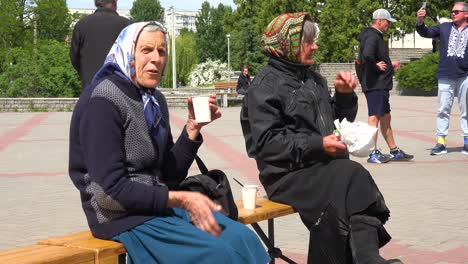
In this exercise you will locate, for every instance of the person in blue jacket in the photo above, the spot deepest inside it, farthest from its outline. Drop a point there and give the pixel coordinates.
(452, 74)
(125, 163)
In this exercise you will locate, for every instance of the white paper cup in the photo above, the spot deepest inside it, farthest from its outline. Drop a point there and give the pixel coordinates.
(201, 108)
(249, 195)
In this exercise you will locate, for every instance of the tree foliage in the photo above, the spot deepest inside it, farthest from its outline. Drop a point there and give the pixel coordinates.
(186, 58)
(50, 74)
(14, 30)
(340, 22)
(147, 10)
(420, 74)
(405, 12)
(211, 38)
(51, 19)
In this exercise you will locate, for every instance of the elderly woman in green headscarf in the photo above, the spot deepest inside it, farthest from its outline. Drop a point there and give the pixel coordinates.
(125, 163)
(287, 120)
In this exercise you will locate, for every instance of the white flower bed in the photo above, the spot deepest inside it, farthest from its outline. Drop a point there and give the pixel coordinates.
(208, 73)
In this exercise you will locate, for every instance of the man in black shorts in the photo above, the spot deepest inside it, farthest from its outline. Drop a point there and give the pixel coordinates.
(376, 81)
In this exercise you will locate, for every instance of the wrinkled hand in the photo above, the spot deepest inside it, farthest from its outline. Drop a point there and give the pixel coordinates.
(420, 15)
(334, 147)
(396, 65)
(381, 65)
(193, 127)
(200, 209)
(345, 82)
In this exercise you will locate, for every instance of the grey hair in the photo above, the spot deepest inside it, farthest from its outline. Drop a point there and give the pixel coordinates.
(155, 27)
(309, 31)
(465, 5)
(104, 3)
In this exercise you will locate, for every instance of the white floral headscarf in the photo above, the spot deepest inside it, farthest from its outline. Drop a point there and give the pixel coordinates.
(122, 53)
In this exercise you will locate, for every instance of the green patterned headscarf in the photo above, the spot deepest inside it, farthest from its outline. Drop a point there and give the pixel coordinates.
(282, 37)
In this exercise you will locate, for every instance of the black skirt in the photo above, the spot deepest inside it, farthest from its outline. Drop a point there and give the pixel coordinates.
(342, 183)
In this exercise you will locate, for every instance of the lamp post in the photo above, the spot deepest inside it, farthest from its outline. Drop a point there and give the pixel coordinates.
(228, 36)
(174, 73)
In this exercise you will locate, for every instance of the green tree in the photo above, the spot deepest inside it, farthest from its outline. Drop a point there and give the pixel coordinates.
(186, 58)
(147, 10)
(246, 26)
(211, 35)
(337, 40)
(52, 19)
(51, 74)
(14, 31)
(405, 12)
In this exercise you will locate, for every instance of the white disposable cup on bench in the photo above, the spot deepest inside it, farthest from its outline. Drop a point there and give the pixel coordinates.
(249, 195)
(201, 108)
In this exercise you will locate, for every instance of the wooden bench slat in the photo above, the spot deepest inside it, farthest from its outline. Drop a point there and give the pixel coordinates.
(107, 252)
(103, 249)
(225, 85)
(265, 209)
(39, 254)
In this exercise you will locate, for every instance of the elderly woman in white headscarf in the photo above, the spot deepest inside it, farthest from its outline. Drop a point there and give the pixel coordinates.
(124, 162)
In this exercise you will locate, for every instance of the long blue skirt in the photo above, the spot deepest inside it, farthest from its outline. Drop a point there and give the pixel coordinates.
(174, 239)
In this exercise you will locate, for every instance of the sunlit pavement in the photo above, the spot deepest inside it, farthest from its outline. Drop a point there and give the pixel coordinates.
(428, 196)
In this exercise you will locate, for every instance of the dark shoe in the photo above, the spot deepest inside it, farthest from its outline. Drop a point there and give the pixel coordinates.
(377, 157)
(400, 155)
(394, 261)
(364, 240)
(439, 149)
(465, 149)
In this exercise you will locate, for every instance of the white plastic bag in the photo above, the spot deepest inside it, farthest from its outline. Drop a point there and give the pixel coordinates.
(358, 136)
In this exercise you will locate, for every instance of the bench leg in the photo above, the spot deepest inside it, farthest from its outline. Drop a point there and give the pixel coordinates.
(270, 242)
(122, 258)
(225, 100)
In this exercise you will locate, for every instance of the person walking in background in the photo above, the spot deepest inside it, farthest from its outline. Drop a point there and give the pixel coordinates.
(452, 73)
(243, 83)
(92, 38)
(375, 77)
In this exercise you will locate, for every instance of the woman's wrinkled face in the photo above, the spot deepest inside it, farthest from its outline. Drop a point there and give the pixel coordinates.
(150, 58)
(307, 52)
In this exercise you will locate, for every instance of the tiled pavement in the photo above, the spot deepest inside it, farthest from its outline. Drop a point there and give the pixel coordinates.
(428, 197)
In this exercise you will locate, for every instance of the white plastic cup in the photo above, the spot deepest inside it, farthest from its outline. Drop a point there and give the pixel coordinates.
(201, 108)
(249, 195)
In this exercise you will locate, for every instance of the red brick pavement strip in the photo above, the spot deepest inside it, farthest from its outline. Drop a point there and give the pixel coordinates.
(22, 130)
(229, 154)
(391, 250)
(411, 256)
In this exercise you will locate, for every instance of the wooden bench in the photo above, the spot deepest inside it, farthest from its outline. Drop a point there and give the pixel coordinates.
(266, 210)
(225, 86)
(82, 247)
(225, 89)
(41, 254)
(105, 251)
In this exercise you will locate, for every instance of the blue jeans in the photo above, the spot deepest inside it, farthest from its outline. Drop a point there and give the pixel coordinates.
(448, 89)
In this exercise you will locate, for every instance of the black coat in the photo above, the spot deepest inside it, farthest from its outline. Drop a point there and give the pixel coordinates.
(92, 38)
(286, 114)
(372, 49)
(243, 84)
(284, 117)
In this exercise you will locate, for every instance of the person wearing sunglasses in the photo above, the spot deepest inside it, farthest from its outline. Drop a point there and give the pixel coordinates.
(452, 73)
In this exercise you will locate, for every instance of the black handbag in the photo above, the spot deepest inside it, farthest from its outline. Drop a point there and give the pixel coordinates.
(215, 185)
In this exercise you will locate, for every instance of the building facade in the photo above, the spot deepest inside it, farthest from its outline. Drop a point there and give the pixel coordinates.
(181, 19)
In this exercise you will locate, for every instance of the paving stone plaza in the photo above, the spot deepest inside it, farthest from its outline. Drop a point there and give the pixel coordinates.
(428, 196)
